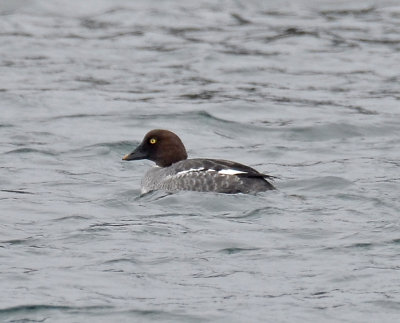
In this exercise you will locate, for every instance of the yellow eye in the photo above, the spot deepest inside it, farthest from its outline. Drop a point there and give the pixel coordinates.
(153, 141)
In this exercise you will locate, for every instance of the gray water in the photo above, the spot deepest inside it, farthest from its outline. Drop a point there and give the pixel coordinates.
(307, 91)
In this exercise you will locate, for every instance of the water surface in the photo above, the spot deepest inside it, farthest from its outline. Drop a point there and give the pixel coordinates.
(304, 90)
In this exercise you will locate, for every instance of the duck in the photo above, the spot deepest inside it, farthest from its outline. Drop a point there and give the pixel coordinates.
(175, 172)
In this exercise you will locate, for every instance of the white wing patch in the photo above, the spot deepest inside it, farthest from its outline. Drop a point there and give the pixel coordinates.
(221, 172)
(189, 171)
(230, 172)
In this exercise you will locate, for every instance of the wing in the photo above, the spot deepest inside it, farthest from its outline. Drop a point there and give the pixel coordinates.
(218, 175)
(223, 167)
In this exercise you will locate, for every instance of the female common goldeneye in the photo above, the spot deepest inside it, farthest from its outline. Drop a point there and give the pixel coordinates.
(175, 172)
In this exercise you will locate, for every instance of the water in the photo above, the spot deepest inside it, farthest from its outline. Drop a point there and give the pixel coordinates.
(303, 90)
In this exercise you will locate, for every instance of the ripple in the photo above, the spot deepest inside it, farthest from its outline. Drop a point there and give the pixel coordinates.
(16, 191)
(205, 95)
(48, 307)
(93, 80)
(235, 250)
(31, 151)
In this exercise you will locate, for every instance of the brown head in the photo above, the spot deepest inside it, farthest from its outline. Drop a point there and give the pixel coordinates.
(161, 146)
